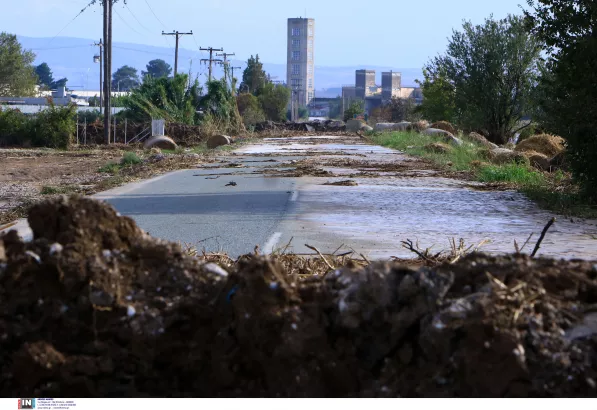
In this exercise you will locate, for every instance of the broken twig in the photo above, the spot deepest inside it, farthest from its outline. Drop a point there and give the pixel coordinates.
(538, 245)
(408, 244)
(313, 248)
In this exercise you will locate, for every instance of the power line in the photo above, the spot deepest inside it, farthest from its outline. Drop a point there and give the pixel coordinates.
(127, 24)
(70, 22)
(141, 51)
(155, 15)
(58, 48)
(135, 17)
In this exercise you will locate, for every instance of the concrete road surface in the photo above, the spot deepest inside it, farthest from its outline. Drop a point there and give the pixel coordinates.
(282, 192)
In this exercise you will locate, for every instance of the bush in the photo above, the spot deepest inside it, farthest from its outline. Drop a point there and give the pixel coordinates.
(91, 116)
(130, 158)
(54, 127)
(253, 116)
(356, 108)
(14, 128)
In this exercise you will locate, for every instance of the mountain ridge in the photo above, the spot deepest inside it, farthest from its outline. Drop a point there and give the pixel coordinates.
(72, 57)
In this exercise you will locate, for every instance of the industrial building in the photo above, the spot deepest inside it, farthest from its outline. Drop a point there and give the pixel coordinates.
(300, 64)
(366, 89)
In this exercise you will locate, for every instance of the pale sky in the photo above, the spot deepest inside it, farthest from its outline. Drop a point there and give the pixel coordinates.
(395, 33)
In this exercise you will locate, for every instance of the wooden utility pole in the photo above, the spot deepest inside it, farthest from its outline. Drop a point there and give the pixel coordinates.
(101, 62)
(232, 69)
(211, 59)
(178, 35)
(225, 64)
(107, 55)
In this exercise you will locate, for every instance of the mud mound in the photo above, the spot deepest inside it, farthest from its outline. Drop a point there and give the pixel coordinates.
(92, 307)
(446, 126)
(549, 145)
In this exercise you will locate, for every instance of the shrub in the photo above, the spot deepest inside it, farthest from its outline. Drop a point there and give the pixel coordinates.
(130, 158)
(356, 107)
(14, 128)
(54, 127)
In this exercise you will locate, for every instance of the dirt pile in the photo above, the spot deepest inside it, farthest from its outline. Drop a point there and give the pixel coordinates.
(94, 307)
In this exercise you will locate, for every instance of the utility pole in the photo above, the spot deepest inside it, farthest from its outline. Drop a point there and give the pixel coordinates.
(101, 61)
(107, 55)
(178, 35)
(234, 68)
(211, 59)
(225, 64)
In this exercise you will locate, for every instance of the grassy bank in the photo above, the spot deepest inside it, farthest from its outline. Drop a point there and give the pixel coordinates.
(553, 191)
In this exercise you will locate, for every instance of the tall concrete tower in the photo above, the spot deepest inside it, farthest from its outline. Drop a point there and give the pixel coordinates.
(300, 65)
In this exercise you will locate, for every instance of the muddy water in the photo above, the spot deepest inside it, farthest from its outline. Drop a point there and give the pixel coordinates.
(379, 213)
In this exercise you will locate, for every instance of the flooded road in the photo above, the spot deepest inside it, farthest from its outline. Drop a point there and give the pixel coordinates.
(284, 194)
(385, 209)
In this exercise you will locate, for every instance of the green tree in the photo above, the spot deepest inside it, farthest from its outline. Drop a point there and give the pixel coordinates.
(493, 68)
(439, 97)
(157, 69)
(17, 75)
(59, 83)
(254, 77)
(273, 100)
(44, 75)
(566, 98)
(220, 107)
(249, 109)
(356, 107)
(125, 79)
(168, 98)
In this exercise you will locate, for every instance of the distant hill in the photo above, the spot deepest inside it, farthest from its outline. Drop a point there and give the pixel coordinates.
(73, 58)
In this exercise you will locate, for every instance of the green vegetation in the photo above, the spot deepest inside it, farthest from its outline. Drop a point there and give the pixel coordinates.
(513, 173)
(130, 158)
(45, 78)
(110, 168)
(59, 190)
(254, 77)
(567, 104)
(356, 107)
(157, 68)
(553, 191)
(168, 98)
(469, 85)
(17, 75)
(54, 127)
(396, 110)
(125, 79)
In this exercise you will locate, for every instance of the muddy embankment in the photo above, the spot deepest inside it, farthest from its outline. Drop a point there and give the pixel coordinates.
(95, 307)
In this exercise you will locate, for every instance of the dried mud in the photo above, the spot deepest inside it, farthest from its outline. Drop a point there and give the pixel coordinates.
(95, 307)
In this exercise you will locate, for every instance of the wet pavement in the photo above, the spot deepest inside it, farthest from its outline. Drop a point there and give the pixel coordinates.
(281, 199)
(381, 211)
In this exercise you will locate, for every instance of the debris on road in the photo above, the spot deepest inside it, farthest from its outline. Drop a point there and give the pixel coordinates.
(94, 307)
(346, 182)
(231, 183)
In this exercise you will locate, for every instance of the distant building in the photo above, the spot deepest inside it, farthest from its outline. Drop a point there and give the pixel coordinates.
(373, 95)
(391, 83)
(300, 65)
(365, 83)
